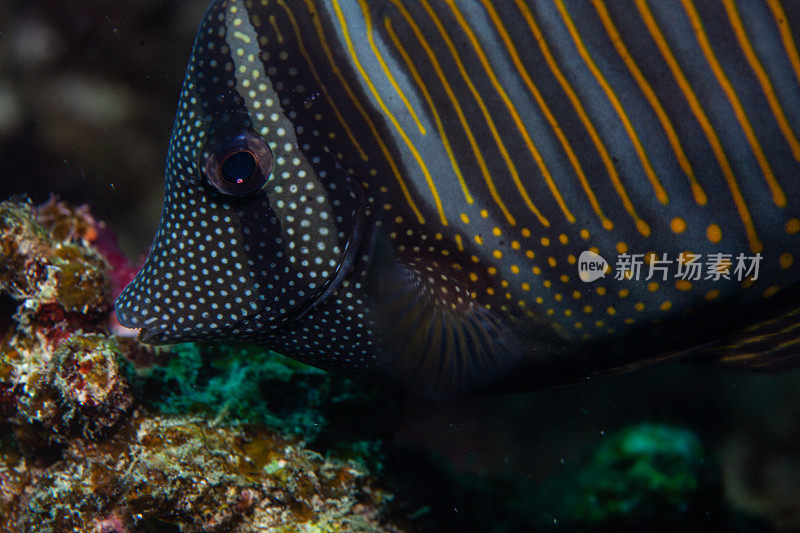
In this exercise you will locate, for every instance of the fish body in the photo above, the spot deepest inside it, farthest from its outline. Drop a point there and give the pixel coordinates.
(463, 195)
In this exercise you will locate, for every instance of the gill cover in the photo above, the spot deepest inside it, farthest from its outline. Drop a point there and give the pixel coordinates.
(255, 229)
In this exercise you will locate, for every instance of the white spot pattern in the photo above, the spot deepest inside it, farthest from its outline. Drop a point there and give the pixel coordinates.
(236, 268)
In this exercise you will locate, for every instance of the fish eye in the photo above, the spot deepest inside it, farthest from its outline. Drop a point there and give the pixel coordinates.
(238, 167)
(238, 164)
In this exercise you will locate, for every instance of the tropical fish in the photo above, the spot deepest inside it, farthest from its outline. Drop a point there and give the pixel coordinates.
(468, 195)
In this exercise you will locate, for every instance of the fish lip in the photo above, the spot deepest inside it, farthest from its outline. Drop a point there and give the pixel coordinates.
(125, 321)
(148, 335)
(154, 336)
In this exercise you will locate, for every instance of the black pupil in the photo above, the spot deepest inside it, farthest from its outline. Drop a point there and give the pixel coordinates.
(239, 167)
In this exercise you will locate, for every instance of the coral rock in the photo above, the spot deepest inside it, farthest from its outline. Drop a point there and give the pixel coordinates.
(58, 372)
(202, 477)
(47, 264)
(77, 388)
(90, 382)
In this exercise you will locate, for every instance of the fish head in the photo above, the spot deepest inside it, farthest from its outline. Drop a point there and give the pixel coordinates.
(256, 226)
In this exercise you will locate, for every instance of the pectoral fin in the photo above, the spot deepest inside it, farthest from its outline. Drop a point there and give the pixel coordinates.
(438, 340)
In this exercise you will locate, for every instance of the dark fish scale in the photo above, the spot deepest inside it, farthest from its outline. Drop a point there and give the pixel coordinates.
(439, 167)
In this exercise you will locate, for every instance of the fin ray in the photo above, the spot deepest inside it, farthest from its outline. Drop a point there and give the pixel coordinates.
(439, 340)
(771, 345)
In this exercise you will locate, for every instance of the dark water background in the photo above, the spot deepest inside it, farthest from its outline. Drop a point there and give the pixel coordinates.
(88, 90)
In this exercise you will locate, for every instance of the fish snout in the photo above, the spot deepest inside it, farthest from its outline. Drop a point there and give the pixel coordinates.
(138, 313)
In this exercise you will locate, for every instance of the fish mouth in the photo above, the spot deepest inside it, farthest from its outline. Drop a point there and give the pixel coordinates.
(147, 335)
(154, 336)
(149, 330)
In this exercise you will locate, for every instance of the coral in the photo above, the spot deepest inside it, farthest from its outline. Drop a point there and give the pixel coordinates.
(58, 370)
(75, 389)
(48, 266)
(230, 381)
(89, 381)
(202, 477)
(67, 223)
(245, 384)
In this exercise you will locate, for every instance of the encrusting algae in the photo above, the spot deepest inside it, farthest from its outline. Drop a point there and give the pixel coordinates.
(80, 453)
(58, 371)
(189, 472)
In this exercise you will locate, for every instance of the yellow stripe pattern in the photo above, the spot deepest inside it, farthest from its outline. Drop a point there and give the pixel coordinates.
(514, 116)
(457, 106)
(429, 100)
(647, 16)
(489, 121)
(641, 225)
(323, 87)
(661, 194)
(356, 101)
(616, 39)
(387, 112)
(778, 195)
(456, 37)
(786, 35)
(763, 78)
(551, 119)
(386, 71)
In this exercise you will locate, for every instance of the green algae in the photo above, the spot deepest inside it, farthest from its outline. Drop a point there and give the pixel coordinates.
(244, 384)
(237, 383)
(641, 468)
(654, 477)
